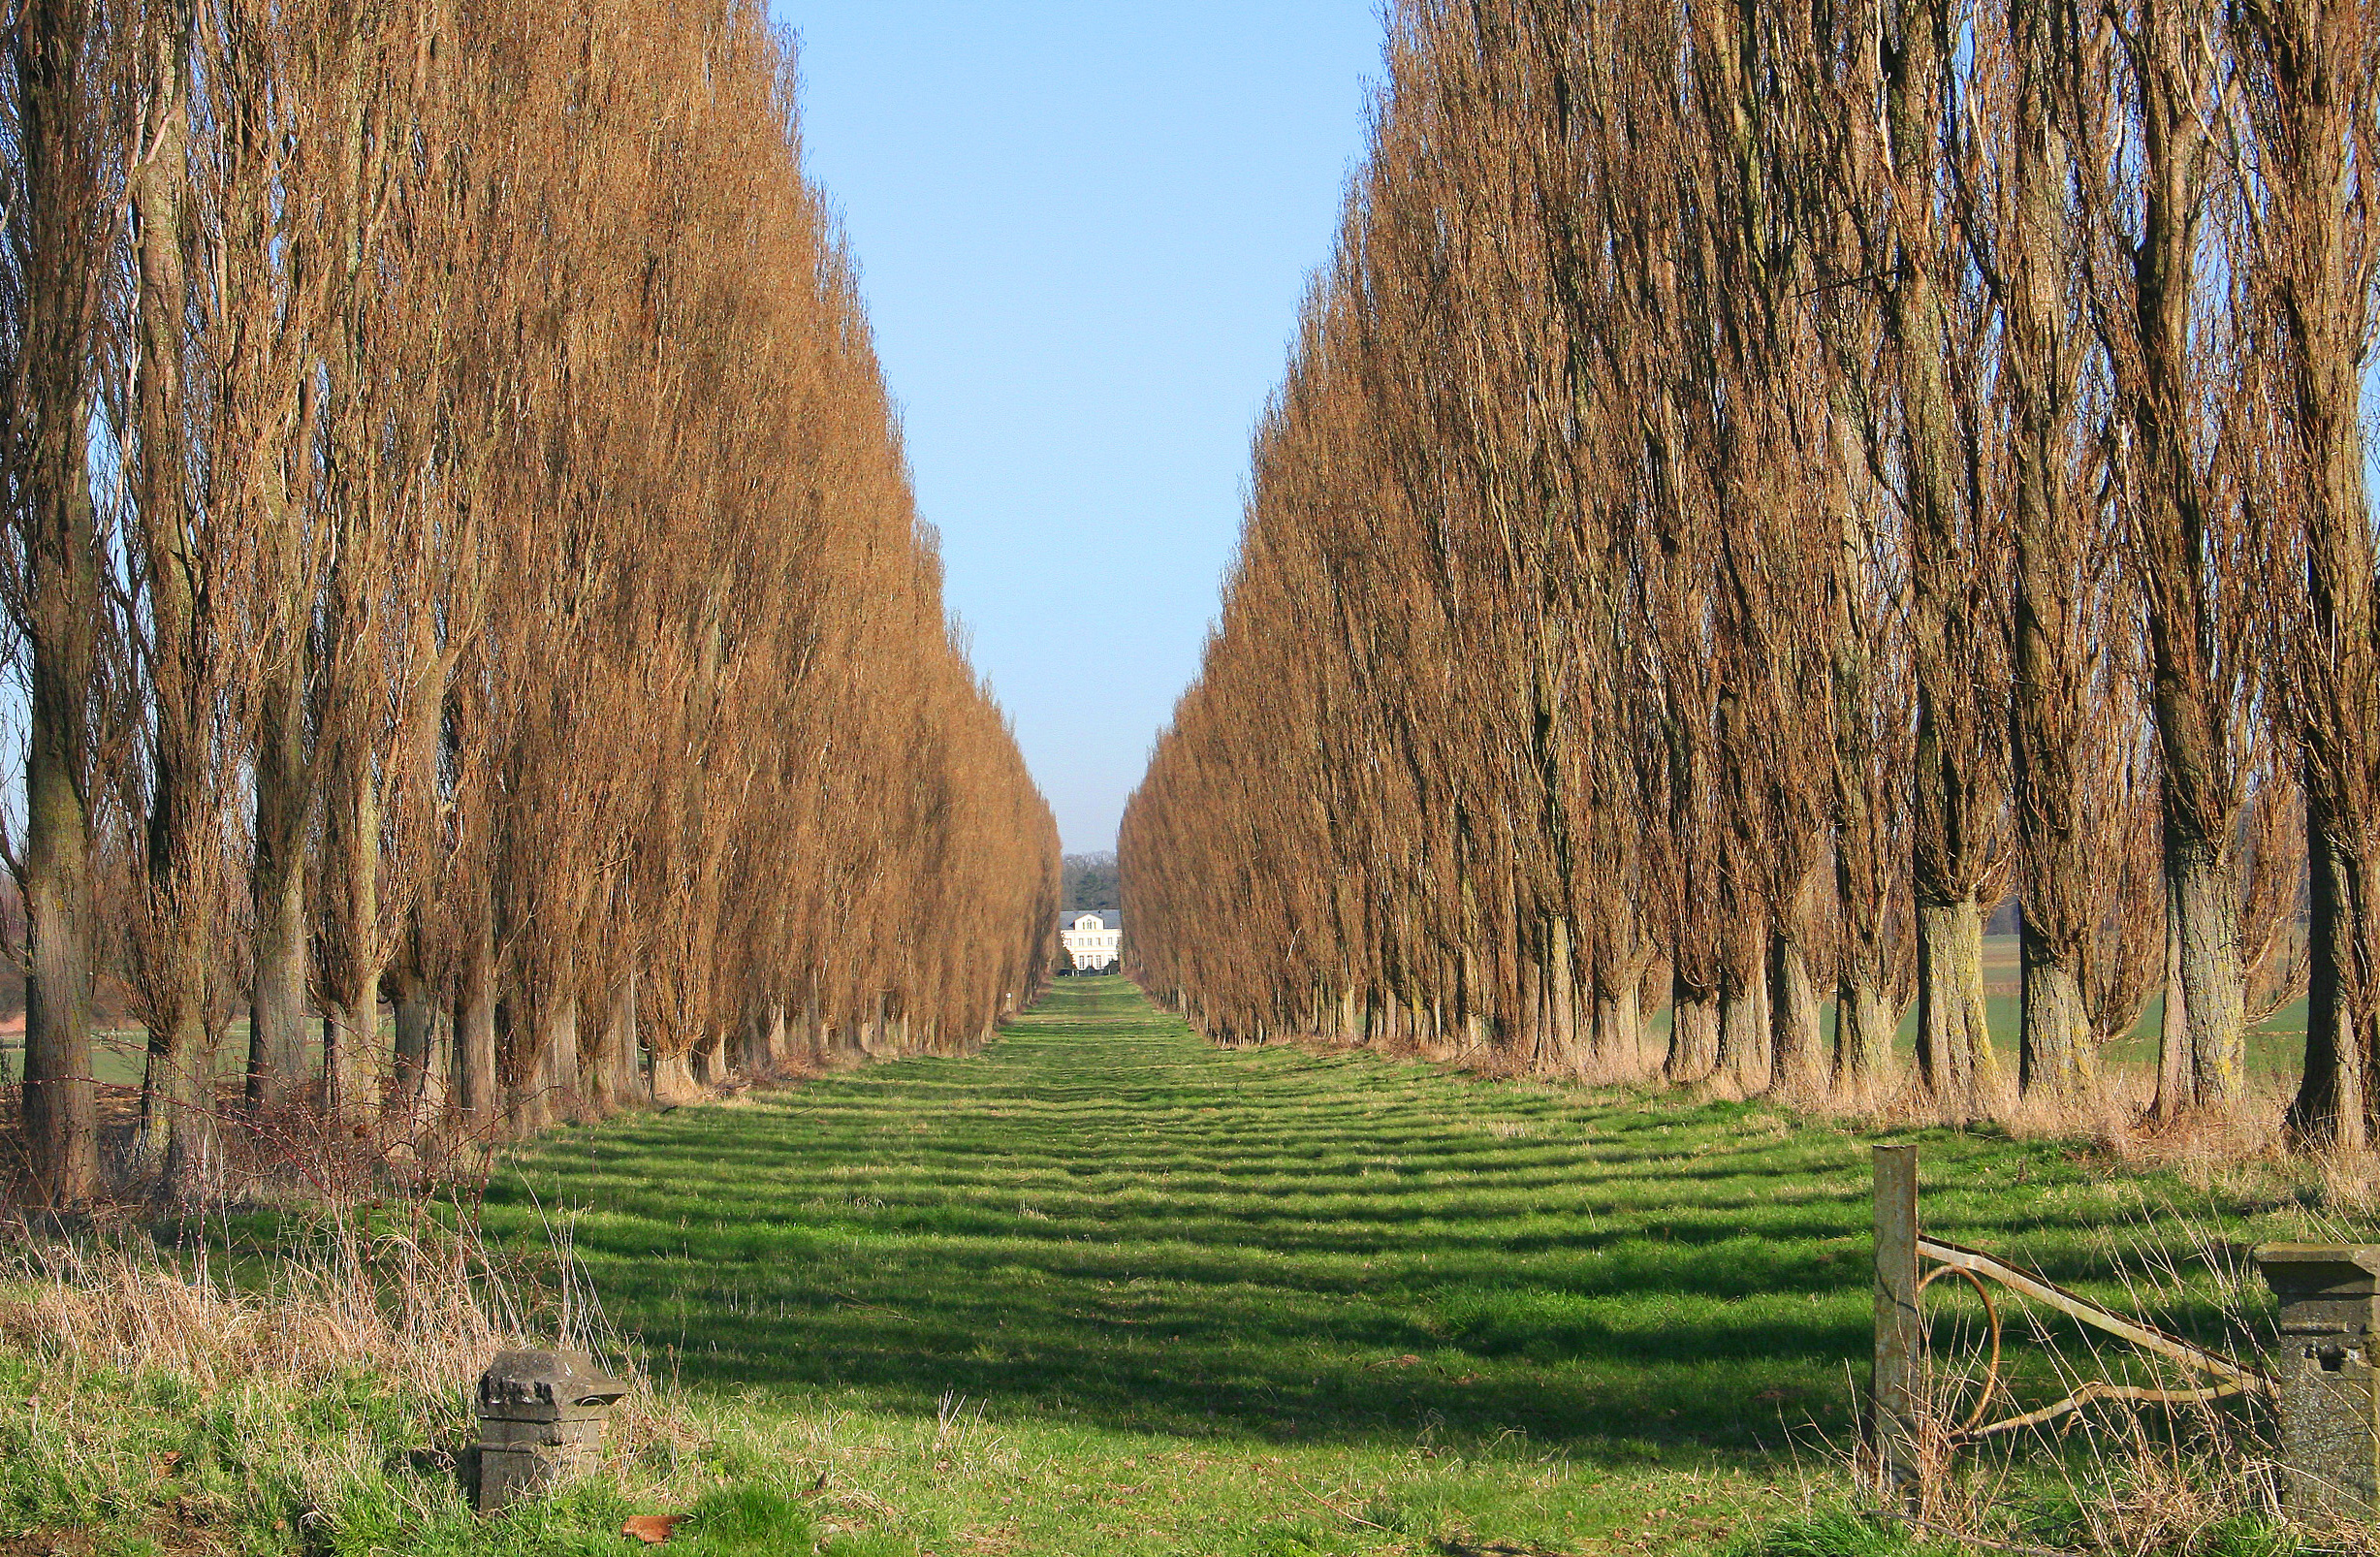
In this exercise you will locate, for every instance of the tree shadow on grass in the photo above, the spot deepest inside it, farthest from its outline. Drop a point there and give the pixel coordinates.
(1240, 1261)
(1470, 1363)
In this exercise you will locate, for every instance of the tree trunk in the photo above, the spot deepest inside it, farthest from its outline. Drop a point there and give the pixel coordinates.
(1693, 1035)
(176, 1135)
(1535, 1039)
(748, 1052)
(60, 1112)
(1469, 998)
(438, 1086)
(2179, 528)
(475, 1038)
(350, 1038)
(1798, 1043)
(673, 1080)
(2205, 907)
(409, 1073)
(176, 1140)
(1862, 1043)
(2312, 87)
(351, 1030)
(1862, 1034)
(564, 1066)
(2333, 1102)
(1956, 1061)
(1743, 1015)
(613, 1084)
(1562, 996)
(519, 1070)
(1954, 790)
(2172, 1029)
(1619, 1033)
(2051, 732)
(276, 1009)
(550, 1071)
(58, 153)
(2055, 1055)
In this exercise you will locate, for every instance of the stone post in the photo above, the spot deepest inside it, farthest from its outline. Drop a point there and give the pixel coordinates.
(541, 1418)
(2330, 1413)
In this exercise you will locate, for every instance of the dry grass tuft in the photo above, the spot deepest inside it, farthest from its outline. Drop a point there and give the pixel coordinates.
(2350, 1180)
(415, 1313)
(201, 1402)
(424, 1312)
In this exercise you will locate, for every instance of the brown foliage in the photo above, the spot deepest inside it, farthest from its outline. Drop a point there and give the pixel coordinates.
(1753, 486)
(516, 612)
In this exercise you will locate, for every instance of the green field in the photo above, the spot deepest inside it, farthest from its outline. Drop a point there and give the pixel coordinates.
(119, 1054)
(2276, 1046)
(1108, 1290)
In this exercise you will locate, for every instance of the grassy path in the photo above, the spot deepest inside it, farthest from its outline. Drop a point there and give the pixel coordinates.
(1108, 1290)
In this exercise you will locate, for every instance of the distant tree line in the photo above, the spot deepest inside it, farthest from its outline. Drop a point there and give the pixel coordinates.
(459, 554)
(1092, 883)
(1757, 485)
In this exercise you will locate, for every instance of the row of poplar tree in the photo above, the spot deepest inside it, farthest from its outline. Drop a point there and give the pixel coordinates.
(459, 554)
(1757, 485)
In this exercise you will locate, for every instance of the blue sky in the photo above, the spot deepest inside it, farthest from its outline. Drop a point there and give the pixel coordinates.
(1084, 230)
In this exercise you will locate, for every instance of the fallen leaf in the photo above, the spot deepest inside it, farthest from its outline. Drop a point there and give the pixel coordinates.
(653, 1528)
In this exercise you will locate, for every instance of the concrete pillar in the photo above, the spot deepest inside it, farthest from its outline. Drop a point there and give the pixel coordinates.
(2330, 1413)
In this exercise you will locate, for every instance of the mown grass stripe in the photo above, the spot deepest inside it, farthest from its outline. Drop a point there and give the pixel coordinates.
(1103, 1226)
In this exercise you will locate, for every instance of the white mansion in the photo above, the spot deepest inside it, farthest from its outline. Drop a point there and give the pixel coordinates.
(1095, 939)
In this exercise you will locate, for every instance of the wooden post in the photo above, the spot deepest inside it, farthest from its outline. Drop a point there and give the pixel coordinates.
(1894, 1384)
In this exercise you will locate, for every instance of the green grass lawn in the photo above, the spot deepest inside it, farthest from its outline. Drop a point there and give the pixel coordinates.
(118, 1056)
(1108, 1290)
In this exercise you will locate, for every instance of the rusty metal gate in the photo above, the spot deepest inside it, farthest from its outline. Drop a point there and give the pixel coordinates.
(1907, 1262)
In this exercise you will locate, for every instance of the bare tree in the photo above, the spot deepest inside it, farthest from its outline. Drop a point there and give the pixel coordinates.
(2303, 119)
(68, 124)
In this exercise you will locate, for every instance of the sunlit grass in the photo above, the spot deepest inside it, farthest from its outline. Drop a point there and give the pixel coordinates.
(1279, 1286)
